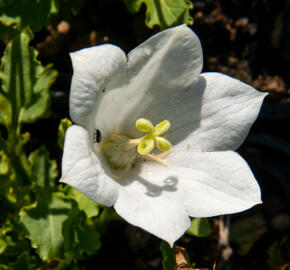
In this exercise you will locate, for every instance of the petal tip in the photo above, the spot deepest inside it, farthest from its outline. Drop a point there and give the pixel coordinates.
(171, 244)
(265, 94)
(62, 180)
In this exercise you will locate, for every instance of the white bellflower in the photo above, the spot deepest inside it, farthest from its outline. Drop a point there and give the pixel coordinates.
(110, 154)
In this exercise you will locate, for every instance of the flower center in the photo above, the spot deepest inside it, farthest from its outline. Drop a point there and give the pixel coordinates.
(121, 151)
(118, 152)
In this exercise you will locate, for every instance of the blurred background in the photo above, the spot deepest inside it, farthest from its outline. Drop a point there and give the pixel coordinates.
(248, 40)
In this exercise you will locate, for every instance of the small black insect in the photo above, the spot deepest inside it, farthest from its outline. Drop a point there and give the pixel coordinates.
(97, 136)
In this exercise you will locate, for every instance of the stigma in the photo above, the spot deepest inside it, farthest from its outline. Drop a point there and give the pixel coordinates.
(122, 151)
(148, 142)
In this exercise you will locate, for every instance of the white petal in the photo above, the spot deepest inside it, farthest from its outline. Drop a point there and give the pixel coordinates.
(171, 58)
(82, 169)
(214, 183)
(159, 198)
(158, 68)
(214, 114)
(229, 108)
(96, 69)
(153, 207)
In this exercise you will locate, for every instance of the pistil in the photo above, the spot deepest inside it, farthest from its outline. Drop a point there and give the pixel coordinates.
(121, 151)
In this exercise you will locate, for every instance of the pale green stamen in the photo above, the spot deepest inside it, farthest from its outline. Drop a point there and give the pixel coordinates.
(161, 128)
(147, 143)
(120, 151)
(162, 144)
(144, 125)
(145, 146)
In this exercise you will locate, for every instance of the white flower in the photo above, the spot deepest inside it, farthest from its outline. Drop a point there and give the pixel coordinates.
(210, 115)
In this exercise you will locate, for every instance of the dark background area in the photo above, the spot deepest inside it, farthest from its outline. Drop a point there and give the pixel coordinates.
(248, 40)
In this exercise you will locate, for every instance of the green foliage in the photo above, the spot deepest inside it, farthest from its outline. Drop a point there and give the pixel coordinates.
(4, 164)
(5, 110)
(168, 261)
(107, 215)
(63, 126)
(5, 239)
(51, 221)
(25, 83)
(16, 15)
(164, 13)
(84, 203)
(35, 212)
(24, 262)
(43, 171)
(24, 97)
(78, 236)
(8, 26)
(43, 223)
(199, 227)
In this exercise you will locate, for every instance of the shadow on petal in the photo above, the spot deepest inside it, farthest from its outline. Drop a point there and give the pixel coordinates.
(182, 107)
(133, 181)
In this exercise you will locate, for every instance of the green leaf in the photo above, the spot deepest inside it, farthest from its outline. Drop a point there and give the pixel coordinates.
(4, 163)
(133, 5)
(27, 12)
(70, 227)
(85, 204)
(89, 240)
(43, 223)
(17, 67)
(168, 260)
(164, 13)
(107, 215)
(9, 26)
(199, 227)
(78, 236)
(24, 262)
(5, 241)
(18, 158)
(25, 82)
(7, 196)
(16, 15)
(40, 100)
(11, 242)
(5, 110)
(43, 170)
(63, 126)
